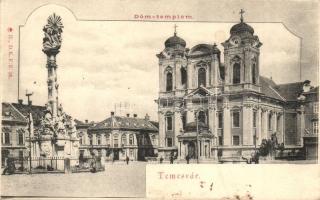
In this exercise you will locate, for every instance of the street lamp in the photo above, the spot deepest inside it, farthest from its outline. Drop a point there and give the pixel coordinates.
(29, 127)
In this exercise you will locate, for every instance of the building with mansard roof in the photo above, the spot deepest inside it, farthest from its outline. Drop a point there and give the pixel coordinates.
(208, 108)
(117, 137)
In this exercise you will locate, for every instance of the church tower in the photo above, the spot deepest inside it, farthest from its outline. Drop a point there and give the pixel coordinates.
(241, 57)
(172, 88)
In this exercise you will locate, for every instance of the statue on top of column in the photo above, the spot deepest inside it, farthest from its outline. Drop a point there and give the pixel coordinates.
(52, 34)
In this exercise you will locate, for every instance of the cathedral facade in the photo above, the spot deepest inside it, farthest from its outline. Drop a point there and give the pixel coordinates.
(209, 109)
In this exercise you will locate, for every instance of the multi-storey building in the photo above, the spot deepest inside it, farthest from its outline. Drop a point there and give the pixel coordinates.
(13, 132)
(206, 106)
(15, 127)
(117, 137)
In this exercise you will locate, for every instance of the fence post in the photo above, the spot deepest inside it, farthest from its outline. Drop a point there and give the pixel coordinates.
(67, 168)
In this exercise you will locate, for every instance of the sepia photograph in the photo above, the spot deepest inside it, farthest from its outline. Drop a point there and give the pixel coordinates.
(124, 99)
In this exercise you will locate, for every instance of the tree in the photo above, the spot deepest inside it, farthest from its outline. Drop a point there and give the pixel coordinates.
(269, 146)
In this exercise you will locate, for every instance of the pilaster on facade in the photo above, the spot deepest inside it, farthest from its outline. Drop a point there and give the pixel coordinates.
(259, 127)
(177, 126)
(264, 131)
(280, 135)
(226, 122)
(247, 113)
(162, 126)
(213, 120)
(274, 122)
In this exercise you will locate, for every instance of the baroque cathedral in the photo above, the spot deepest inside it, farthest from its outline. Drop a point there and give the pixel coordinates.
(208, 108)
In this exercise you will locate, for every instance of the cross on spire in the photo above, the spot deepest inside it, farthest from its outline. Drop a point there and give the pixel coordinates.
(175, 29)
(241, 14)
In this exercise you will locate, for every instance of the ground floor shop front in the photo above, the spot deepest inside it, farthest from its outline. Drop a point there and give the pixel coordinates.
(115, 154)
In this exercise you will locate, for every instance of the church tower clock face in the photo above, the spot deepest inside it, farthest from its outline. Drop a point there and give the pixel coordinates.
(235, 41)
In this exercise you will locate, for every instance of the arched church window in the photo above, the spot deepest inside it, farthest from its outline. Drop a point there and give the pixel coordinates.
(236, 73)
(20, 138)
(169, 122)
(169, 82)
(236, 118)
(183, 75)
(202, 117)
(201, 77)
(253, 71)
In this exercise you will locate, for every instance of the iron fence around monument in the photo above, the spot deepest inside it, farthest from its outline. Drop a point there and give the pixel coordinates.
(55, 164)
(39, 164)
(48, 163)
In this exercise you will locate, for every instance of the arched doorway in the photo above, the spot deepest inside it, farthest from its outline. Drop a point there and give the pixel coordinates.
(191, 150)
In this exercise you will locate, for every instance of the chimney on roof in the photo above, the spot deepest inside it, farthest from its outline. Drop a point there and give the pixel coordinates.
(86, 121)
(29, 102)
(147, 117)
(135, 115)
(20, 101)
(128, 115)
(112, 114)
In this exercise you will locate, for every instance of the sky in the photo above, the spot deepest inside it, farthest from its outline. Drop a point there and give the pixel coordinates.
(106, 62)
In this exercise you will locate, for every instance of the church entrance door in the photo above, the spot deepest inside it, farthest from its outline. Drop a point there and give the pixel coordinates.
(191, 150)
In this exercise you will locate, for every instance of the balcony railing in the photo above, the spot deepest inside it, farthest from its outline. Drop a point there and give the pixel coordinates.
(242, 86)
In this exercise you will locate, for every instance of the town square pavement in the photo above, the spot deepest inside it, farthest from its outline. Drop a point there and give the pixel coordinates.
(118, 180)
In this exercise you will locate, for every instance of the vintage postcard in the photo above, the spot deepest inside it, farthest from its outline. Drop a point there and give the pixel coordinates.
(159, 99)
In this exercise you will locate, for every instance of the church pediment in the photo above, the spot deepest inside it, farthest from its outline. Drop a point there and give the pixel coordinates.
(199, 92)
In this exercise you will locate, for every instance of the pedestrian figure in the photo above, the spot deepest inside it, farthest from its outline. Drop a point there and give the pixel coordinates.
(10, 166)
(161, 160)
(187, 158)
(171, 159)
(127, 160)
(93, 164)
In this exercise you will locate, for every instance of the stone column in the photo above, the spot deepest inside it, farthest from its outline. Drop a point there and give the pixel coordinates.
(212, 120)
(214, 70)
(259, 127)
(190, 75)
(264, 124)
(281, 130)
(274, 123)
(226, 123)
(177, 126)
(162, 126)
(247, 127)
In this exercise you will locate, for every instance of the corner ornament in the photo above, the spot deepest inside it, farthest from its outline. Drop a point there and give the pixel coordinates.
(52, 34)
